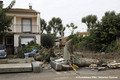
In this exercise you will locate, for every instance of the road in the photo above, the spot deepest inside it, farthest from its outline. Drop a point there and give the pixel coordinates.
(85, 74)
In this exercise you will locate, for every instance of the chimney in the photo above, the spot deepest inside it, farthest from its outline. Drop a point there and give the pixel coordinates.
(1, 4)
(30, 6)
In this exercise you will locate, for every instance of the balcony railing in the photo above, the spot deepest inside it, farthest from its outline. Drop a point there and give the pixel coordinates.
(18, 28)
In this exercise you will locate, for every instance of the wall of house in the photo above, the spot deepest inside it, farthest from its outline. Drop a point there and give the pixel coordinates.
(18, 24)
(18, 21)
(34, 24)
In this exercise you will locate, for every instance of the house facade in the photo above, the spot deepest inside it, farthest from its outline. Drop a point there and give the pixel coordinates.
(25, 28)
(83, 34)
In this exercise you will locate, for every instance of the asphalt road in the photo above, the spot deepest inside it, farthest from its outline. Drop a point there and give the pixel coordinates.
(85, 74)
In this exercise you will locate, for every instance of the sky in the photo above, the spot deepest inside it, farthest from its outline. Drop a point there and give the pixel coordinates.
(69, 10)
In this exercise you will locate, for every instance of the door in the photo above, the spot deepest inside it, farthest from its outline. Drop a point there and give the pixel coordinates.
(9, 43)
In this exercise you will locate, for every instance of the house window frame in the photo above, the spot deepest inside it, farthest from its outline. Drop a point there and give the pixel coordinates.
(30, 25)
(26, 37)
(6, 41)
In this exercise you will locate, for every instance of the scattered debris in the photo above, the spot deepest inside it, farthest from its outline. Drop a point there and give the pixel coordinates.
(38, 57)
(30, 54)
(101, 68)
(63, 63)
(114, 65)
(93, 66)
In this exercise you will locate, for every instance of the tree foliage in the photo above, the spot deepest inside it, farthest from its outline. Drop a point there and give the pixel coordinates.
(103, 36)
(90, 21)
(43, 25)
(56, 25)
(48, 29)
(78, 41)
(72, 27)
(5, 21)
(48, 40)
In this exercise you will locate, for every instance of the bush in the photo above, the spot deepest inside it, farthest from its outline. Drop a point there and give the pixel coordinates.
(113, 47)
(47, 40)
(28, 48)
(79, 42)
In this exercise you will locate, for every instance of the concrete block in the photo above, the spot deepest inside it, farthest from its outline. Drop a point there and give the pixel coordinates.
(36, 67)
(66, 67)
(6, 68)
(55, 65)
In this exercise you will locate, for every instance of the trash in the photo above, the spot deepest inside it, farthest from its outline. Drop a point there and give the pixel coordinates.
(30, 53)
(75, 66)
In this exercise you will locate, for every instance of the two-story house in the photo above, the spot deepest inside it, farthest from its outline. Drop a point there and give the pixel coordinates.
(25, 28)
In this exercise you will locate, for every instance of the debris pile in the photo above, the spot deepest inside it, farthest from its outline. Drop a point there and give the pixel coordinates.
(68, 60)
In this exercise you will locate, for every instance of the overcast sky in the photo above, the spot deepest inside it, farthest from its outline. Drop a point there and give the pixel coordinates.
(69, 10)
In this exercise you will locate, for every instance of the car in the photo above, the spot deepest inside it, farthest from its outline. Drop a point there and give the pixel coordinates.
(3, 51)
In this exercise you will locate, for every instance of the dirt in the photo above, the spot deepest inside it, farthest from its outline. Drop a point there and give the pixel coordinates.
(106, 57)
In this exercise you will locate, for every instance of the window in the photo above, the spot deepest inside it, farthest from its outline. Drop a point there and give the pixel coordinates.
(25, 39)
(27, 25)
(9, 40)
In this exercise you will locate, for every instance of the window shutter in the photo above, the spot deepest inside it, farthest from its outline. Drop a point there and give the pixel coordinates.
(26, 25)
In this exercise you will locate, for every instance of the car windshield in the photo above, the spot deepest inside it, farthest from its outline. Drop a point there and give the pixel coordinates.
(2, 47)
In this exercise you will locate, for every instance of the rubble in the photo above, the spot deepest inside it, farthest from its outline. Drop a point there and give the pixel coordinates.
(56, 65)
(114, 65)
(68, 50)
(38, 57)
(101, 68)
(93, 66)
(63, 63)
